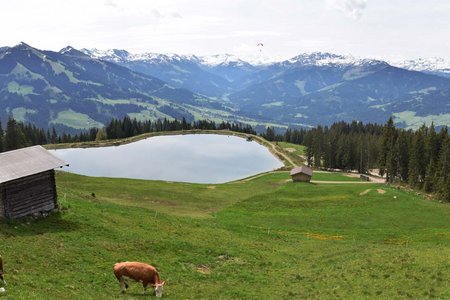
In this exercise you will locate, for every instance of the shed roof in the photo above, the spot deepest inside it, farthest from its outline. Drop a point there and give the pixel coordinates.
(302, 169)
(27, 161)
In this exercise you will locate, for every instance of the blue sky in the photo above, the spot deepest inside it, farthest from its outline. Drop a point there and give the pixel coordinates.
(387, 29)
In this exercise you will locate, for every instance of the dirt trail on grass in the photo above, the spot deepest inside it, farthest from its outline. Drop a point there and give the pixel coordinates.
(274, 150)
(365, 192)
(373, 179)
(343, 182)
(257, 176)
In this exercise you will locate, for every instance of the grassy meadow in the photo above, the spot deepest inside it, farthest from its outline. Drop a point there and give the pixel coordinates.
(295, 152)
(266, 238)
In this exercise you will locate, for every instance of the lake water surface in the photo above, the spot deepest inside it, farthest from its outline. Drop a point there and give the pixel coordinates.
(198, 158)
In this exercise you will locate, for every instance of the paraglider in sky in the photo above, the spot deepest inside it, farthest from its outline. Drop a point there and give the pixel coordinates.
(260, 45)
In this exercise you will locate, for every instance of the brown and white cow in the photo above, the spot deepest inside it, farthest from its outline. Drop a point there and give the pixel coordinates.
(1, 271)
(138, 271)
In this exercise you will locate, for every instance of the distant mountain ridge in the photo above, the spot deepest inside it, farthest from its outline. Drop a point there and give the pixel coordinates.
(317, 87)
(71, 90)
(434, 65)
(76, 88)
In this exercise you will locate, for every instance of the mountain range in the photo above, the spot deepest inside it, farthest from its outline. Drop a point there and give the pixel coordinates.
(77, 89)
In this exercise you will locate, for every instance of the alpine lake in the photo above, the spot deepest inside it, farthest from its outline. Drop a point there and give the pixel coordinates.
(194, 158)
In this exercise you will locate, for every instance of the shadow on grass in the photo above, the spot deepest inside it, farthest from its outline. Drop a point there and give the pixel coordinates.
(28, 226)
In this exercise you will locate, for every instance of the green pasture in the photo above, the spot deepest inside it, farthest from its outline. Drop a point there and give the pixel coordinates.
(294, 151)
(266, 238)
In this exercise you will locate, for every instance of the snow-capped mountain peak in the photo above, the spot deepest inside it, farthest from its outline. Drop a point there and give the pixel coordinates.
(111, 54)
(222, 59)
(330, 59)
(65, 50)
(123, 55)
(433, 64)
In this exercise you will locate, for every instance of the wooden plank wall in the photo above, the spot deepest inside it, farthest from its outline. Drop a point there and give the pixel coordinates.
(2, 206)
(301, 177)
(31, 194)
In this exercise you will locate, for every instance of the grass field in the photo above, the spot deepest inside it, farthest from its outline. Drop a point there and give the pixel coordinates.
(299, 149)
(294, 151)
(336, 176)
(266, 238)
(75, 120)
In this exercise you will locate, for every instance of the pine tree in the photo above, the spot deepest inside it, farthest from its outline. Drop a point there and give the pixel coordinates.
(387, 158)
(101, 135)
(442, 184)
(428, 183)
(54, 136)
(317, 145)
(309, 148)
(402, 146)
(270, 134)
(417, 164)
(14, 136)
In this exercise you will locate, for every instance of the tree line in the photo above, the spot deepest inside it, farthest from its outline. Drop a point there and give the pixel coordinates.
(419, 158)
(18, 134)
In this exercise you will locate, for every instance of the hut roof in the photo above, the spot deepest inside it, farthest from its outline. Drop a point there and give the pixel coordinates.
(27, 161)
(302, 169)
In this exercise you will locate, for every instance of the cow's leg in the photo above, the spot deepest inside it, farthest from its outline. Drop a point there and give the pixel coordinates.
(145, 284)
(123, 284)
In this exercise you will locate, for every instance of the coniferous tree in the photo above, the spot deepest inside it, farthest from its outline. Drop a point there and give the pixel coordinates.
(387, 158)
(417, 164)
(54, 136)
(309, 149)
(317, 146)
(101, 135)
(402, 148)
(14, 136)
(442, 186)
(270, 134)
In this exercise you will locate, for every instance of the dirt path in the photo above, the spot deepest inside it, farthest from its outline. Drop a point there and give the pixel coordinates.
(373, 179)
(365, 192)
(274, 150)
(343, 182)
(258, 175)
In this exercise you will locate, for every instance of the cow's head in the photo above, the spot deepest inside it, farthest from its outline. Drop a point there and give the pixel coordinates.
(159, 289)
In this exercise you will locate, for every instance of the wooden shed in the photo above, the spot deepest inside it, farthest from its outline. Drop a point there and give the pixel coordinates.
(27, 182)
(302, 174)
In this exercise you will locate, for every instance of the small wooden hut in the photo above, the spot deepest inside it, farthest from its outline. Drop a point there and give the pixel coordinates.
(301, 174)
(364, 177)
(27, 182)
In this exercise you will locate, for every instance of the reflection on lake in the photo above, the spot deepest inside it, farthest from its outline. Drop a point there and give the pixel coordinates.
(199, 158)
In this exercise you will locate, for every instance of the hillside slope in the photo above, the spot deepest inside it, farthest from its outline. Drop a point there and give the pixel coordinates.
(74, 89)
(318, 240)
(309, 89)
(71, 90)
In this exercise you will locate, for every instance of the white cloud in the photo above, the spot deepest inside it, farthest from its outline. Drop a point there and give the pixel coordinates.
(352, 8)
(286, 27)
(158, 14)
(110, 3)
